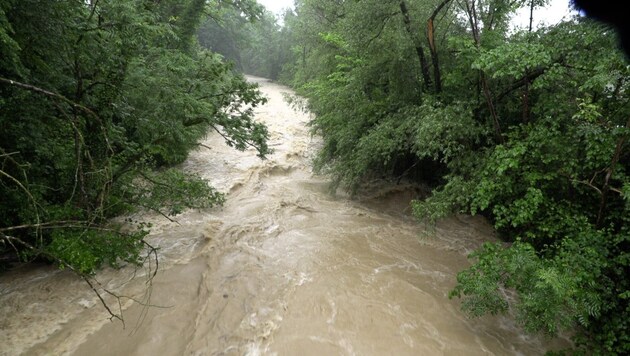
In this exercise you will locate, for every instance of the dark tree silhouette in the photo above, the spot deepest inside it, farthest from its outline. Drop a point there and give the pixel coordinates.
(611, 12)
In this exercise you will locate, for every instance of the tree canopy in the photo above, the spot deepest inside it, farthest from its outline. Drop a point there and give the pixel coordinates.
(528, 127)
(98, 101)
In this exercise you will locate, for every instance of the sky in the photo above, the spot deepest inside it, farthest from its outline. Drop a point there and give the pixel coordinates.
(549, 15)
(276, 5)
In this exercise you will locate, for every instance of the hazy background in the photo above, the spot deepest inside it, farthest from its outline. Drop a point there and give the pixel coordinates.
(551, 14)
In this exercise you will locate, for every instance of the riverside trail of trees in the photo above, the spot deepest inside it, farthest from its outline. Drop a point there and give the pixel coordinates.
(98, 99)
(528, 127)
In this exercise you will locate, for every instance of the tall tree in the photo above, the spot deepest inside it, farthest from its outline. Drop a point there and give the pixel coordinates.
(98, 100)
(527, 127)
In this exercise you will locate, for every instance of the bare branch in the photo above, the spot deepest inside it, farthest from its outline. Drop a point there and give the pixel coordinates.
(104, 303)
(27, 192)
(47, 93)
(9, 154)
(229, 139)
(380, 31)
(50, 224)
(609, 173)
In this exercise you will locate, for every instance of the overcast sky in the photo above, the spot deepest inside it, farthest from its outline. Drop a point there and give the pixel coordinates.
(276, 5)
(550, 15)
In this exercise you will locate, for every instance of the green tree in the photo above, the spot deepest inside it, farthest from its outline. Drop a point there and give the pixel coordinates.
(527, 127)
(98, 100)
(257, 45)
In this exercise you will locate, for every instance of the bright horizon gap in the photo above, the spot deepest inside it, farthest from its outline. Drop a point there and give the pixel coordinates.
(276, 6)
(550, 14)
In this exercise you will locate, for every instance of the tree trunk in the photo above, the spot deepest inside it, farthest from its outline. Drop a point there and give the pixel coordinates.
(434, 55)
(419, 50)
(474, 25)
(609, 173)
(526, 109)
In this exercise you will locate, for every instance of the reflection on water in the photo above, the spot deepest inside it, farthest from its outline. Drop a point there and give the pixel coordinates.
(283, 268)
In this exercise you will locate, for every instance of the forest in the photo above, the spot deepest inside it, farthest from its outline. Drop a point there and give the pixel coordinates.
(527, 127)
(98, 101)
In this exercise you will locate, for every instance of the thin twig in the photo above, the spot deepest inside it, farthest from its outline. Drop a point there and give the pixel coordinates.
(232, 141)
(47, 93)
(28, 193)
(53, 224)
(9, 154)
(100, 297)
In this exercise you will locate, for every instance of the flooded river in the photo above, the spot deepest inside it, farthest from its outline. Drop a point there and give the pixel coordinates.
(283, 268)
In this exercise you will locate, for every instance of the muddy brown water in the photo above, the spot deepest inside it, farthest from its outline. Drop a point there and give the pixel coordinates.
(283, 268)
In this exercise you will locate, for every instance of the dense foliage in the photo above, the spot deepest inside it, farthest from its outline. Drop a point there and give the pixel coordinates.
(98, 101)
(260, 47)
(528, 127)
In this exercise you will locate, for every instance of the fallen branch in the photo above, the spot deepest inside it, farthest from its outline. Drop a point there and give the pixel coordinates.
(92, 282)
(47, 93)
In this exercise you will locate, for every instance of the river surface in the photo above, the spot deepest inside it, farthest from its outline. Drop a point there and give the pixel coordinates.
(284, 267)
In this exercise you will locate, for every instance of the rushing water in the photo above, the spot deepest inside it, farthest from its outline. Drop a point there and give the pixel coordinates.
(283, 268)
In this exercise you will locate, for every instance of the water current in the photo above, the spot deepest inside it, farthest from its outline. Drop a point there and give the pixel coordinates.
(284, 267)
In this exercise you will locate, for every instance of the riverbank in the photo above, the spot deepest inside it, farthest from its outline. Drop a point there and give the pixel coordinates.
(283, 267)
